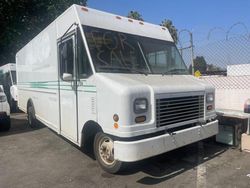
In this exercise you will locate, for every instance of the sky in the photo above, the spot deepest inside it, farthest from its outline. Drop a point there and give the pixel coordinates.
(198, 16)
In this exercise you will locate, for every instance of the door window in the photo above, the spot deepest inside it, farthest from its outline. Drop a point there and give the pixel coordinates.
(66, 52)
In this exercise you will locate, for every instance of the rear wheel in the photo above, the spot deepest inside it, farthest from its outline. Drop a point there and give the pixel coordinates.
(104, 153)
(32, 117)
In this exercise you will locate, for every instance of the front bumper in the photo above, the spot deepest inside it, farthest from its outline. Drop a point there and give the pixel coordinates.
(129, 151)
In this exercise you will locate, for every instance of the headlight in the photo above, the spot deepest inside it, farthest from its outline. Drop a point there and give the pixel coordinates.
(210, 97)
(2, 98)
(140, 105)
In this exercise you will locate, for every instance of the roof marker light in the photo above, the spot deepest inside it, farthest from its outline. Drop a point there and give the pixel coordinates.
(141, 23)
(130, 20)
(85, 9)
(163, 28)
(118, 17)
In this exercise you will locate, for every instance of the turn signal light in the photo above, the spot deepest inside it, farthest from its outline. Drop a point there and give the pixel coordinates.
(116, 126)
(140, 119)
(210, 107)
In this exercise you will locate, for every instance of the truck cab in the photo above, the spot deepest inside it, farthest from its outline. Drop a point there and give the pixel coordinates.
(144, 90)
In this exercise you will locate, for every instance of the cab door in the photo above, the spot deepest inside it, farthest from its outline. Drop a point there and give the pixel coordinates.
(68, 87)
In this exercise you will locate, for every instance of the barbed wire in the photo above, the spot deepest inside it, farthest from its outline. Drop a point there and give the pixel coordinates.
(237, 23)
(213, 29)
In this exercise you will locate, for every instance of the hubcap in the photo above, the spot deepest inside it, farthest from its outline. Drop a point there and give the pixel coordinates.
(106, 150)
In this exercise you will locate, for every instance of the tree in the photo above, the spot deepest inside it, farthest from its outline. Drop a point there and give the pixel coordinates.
(22, 20)
(173, 31)
(200, 64)
(215, 70)
(135, 15)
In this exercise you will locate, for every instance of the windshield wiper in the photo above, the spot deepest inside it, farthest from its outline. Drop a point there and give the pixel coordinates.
(171, 71)
(137, 71)
(123, 68)
(143, 55)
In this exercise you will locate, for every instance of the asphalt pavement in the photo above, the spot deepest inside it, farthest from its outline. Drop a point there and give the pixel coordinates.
(41, 158)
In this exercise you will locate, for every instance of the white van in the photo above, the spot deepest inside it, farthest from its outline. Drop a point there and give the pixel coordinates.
(113, 84)
(8, 80)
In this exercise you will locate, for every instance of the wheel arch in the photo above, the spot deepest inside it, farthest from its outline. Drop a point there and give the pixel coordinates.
(89, 130)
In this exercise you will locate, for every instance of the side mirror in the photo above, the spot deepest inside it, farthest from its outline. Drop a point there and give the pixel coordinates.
(67, 77)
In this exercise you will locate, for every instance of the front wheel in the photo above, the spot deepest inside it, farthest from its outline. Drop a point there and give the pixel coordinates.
(104, 153)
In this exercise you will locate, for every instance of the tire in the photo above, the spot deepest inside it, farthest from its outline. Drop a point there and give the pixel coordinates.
(6, 125)
(32, 121)
(103, 143)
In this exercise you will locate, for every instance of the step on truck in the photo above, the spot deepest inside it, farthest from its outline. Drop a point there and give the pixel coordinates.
(113, 85)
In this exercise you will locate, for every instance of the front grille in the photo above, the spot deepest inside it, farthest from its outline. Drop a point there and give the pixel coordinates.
(179, 109)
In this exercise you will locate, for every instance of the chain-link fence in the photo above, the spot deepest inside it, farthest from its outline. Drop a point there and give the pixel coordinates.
(225, 63)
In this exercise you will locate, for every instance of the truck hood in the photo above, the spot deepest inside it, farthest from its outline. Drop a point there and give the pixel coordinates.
(158, 83)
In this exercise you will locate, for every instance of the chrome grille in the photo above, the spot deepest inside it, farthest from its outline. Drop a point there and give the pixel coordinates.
(179, 109)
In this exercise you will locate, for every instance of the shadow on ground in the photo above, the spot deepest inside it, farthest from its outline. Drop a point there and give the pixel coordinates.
(19, 125)
(168, 165)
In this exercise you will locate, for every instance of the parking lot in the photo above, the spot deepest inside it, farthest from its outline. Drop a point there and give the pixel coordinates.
(41, 158)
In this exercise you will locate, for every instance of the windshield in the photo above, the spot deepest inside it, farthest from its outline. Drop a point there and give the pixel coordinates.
(117, 52)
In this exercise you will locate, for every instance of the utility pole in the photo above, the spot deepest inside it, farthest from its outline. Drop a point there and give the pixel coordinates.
(192, 51)
(191, 47)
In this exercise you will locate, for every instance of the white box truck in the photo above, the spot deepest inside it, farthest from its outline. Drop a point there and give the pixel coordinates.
(114, 84)
(8, 81)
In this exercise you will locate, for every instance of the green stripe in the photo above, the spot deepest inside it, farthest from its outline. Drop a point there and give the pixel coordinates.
(87, 91)
(88, 86)
(65, 89)
(37, 84)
